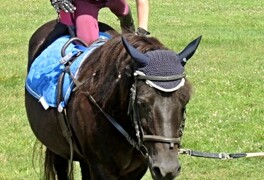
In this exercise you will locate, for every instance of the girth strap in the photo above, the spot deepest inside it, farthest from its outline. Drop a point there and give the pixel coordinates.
(67, 133)
(62, 117)
(64, 123)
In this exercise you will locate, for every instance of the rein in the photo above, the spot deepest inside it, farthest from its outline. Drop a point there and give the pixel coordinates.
(131, 141)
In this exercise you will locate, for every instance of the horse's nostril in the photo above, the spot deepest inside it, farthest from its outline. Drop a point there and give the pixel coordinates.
(156, 171)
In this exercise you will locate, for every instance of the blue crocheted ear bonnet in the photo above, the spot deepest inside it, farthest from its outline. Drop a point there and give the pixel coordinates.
(163, 63)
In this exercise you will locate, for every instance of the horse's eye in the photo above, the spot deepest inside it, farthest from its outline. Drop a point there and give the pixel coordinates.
(141, 105)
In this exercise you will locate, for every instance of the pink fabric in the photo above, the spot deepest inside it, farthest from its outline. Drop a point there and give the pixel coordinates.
(85, 18)
(66, 18)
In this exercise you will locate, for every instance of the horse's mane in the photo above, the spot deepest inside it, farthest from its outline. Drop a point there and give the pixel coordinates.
(110, 64)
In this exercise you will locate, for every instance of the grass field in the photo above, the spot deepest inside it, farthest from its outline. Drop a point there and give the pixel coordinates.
(226, 113)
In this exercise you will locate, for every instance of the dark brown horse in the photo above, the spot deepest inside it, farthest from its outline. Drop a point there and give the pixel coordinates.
(121, 121)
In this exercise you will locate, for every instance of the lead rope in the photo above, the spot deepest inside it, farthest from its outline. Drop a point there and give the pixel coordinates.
(223, 156)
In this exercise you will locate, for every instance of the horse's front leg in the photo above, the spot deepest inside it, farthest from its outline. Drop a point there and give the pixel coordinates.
(61, 167)
(85, 171)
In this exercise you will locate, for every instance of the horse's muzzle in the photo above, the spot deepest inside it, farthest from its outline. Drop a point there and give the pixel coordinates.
(164, 167)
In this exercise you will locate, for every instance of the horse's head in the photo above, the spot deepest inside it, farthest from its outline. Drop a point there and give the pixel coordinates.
(157, 105)
(143, 77)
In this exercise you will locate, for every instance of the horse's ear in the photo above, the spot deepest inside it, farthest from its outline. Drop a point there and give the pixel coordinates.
(138, 56)
(189, 50)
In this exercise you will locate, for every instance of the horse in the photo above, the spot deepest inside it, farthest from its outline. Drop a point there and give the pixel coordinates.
(125, 116)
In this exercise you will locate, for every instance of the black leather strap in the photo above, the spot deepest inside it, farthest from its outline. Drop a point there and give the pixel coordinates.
(212, 155)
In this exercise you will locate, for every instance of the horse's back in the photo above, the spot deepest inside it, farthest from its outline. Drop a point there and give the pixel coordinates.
(43, 37)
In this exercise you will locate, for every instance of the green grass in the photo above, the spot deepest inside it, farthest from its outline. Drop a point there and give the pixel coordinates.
(226, 113)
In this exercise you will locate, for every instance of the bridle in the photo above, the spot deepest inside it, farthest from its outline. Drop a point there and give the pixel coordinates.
(133, 112)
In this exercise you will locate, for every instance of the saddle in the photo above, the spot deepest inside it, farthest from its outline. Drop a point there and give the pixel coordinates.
(52, 74)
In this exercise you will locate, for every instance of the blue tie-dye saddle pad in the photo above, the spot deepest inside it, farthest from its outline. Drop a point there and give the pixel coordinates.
(42, 79)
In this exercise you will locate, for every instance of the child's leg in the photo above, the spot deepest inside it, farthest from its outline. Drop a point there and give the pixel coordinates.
(66, 18)
(121, 9)
(86, 21)
(118, 7)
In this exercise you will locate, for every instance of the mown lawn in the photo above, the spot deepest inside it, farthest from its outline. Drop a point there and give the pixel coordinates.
(226, 113)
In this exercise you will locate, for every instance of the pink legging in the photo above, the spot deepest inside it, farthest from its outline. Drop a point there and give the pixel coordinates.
(85, 17)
